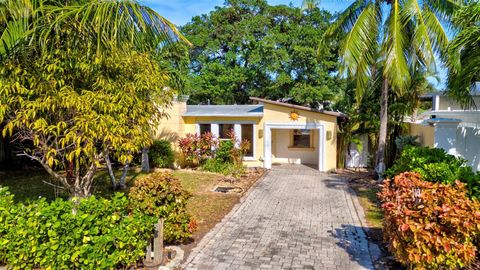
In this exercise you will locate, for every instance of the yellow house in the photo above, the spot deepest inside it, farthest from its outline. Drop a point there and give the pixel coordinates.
(279, 132)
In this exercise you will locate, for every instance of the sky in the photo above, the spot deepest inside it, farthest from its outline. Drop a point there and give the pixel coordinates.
(180, 12)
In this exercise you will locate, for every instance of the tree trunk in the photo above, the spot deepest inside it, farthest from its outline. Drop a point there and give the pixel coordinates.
(145, 161)
(124, 176)
(382, 135)
(110, 170)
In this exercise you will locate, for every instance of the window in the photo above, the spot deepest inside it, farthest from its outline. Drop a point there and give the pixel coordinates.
(204, 128)
(301, 138)
(224, 131)
(247, 134)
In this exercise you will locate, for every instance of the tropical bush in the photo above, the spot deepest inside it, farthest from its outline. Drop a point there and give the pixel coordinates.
(215, 166)
(214, 155)
(225, 168)
(161, 195)
(403, 142)
(196, 149)
(161, 154)
(93, 233)
(435, 165)
(224, 151)
(429, 225)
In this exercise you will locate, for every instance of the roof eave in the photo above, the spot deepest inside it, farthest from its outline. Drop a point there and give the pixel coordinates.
(336, 114)
(222, 115)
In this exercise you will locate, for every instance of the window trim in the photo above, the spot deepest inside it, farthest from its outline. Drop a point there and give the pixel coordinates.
(237, 126)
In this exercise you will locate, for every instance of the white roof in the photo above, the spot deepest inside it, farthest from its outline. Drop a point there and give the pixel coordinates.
(225, 110)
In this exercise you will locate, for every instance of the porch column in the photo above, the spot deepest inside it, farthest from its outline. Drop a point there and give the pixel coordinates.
(237, 129)
(321, 148)
(267, 138)
(215, 129)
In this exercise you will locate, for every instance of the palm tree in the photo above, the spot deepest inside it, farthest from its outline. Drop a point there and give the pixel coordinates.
(396, 34)
(464, 55)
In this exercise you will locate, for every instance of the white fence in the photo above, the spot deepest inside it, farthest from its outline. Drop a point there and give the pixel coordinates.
(357, 158)
(468, 144)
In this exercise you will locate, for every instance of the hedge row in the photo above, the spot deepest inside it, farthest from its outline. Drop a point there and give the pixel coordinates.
(93, 233)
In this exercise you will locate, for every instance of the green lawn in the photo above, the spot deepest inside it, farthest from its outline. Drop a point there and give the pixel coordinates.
(34, 183)
(368, 200)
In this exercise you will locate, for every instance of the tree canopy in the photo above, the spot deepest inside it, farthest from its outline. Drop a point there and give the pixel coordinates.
(249, 48)
(82, 80)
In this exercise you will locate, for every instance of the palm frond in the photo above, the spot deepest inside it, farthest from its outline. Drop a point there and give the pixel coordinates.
(115, 22)
(346, 19)
(16, 23)
(423, 47)
(358, 49)
(396, 66)
(464, 56)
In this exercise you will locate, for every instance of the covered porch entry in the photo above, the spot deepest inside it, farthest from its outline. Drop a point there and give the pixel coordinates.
(294, 143)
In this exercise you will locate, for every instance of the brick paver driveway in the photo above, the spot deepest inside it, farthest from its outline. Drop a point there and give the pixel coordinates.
(296, 218)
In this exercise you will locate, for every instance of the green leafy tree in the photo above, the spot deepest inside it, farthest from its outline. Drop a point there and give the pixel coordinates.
(74, 122)
(88, 85)
(249, 48)
(385, 37)
(464, 55)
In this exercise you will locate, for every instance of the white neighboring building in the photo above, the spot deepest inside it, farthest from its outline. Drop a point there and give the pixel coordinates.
(450, 127)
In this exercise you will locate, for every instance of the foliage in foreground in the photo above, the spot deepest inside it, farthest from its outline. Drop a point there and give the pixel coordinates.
(435, 165)
(93, 233)
(429, 225)
(161, 195)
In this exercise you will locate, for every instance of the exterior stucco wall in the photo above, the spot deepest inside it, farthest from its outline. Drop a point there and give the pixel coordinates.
(176, 126)
(172, 127)
(425, 133)
(281, 114)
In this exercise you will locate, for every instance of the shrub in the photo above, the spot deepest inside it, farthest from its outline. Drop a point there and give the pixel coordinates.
(435, 165)
(225, 168)
(402, 142)
(101, 234)
(234, 170)
(427, 161)
(161, 195)
(161, 154)
(213, 155)
(429, 225)
(196, 149)
(224, 151)
(215, 166)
